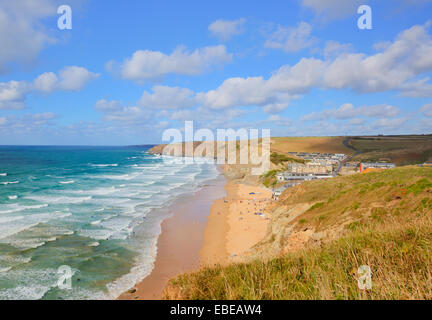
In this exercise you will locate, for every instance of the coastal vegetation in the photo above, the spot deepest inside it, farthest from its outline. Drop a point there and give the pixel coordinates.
(277, 158)
(321, 232)
(269, 179)
(310, 144)
(402, 150)
(279, 161)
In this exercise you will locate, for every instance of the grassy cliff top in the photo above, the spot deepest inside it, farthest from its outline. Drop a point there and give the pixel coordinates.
(322, 231)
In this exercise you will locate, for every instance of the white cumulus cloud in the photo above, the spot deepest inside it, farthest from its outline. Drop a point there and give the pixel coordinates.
(22, 36)
(426, 110)
(164, 97)
(154, 65)
(70, 78)
(225, 29)
(333, 9)
(348, 111)
(46, 82)
(13, 93)
(291, 39)
(74, 78)
(274, 94)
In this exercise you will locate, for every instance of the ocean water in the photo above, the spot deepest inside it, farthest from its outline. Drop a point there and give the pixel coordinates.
(97, 210)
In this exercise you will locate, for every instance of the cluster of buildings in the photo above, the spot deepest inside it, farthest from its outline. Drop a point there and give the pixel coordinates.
(320, 166)
(320, 158)
(316, 166)
(376, 165)
(292, 176)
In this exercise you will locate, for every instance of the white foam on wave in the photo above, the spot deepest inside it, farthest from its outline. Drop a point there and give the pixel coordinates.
(17, 208)
(12, 197)
(59, 199)
(16, 226)
(31, 243)
(94, 244)
(109, 217)
(3, 174)
(99, 234)
(9, 182)
(31, 284)
(67, 182)
(57, 177)
(117, 177)
(119, 227)
(8, 262)
(37, 206)
(94, 192)
(118, 223)
(104, 165)
(15, 260)
(28, 244)
(53, 231)
(101, 191)
(142, 267)
(24, 292)
(10, 219)
(176, 177)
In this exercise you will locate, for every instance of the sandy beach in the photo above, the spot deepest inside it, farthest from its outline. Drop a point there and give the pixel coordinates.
(216, 225)
(179, 242)
(236, 223)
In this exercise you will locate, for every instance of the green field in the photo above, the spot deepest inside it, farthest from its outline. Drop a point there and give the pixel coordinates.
(402, 150)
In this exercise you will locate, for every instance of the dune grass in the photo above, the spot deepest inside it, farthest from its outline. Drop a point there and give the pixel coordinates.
(384, 221)
(400, 259)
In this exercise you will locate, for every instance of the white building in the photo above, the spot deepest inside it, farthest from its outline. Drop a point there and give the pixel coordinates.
(376, 165)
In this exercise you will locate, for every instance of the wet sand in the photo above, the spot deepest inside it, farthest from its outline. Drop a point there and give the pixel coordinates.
(216, 225)
(180, 241)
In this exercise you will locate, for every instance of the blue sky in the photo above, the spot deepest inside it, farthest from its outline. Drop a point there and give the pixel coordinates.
(127, 70)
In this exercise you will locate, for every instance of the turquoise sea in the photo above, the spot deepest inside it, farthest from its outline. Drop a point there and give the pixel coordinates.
(95, 209)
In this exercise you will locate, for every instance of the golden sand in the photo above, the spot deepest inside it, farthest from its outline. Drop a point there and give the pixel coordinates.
(236, 223)
(192, 237)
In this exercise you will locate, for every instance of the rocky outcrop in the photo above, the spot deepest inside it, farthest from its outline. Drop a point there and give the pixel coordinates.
(157, 149)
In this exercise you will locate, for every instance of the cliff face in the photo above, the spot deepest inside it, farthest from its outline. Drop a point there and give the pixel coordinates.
(321, 232)
(164, 149)
(236, 171)
(157, 149)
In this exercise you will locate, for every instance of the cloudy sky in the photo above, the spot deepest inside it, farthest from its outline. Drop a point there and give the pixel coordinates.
(127, 70)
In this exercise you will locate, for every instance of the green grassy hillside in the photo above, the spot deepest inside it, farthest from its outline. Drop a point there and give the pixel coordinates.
(402, 150)
(381, 219)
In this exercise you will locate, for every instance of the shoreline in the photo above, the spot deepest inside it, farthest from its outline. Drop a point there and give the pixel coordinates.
(180, 241)
(235, 224)
(216, 225)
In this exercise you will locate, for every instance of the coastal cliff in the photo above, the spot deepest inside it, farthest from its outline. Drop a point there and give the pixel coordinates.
(158, 149)
(321, 232)
(240, 172)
